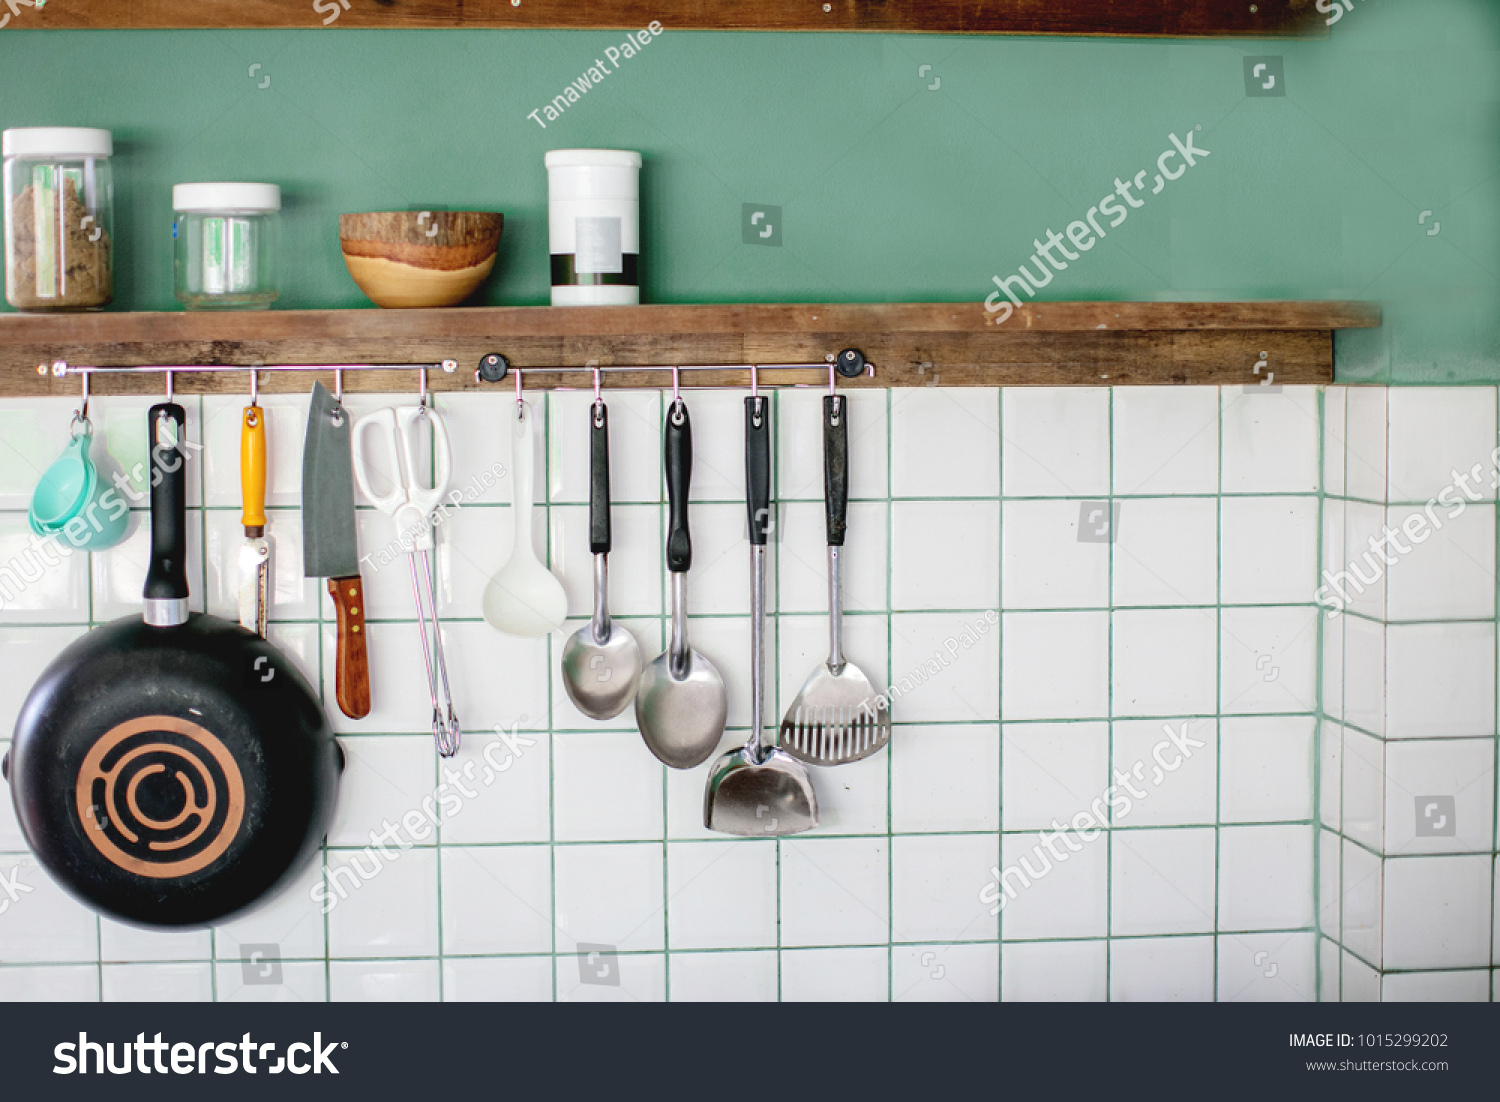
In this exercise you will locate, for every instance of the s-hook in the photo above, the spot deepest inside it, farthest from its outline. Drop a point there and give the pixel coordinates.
(81, 417)
(677, 406)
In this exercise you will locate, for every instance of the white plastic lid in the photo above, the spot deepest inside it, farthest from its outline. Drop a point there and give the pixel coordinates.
(213, 198)
(593, 158)
(57, 141)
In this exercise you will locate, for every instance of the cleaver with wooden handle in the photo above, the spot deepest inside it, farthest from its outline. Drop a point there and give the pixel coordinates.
(330, 542)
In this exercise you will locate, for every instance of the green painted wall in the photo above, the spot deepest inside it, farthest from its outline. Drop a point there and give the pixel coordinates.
(890, 190)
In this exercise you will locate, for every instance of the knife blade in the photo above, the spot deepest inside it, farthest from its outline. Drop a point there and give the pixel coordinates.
(255, 552)
(330, 543)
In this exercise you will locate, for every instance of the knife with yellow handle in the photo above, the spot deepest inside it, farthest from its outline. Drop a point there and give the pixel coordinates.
(255, 552)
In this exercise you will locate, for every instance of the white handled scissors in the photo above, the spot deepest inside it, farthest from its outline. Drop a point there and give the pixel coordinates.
(411, 505)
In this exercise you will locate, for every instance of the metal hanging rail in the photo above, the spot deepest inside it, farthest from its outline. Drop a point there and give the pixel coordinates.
(493, 368)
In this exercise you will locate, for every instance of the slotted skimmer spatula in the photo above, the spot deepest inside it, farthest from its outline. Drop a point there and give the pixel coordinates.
(838, 717)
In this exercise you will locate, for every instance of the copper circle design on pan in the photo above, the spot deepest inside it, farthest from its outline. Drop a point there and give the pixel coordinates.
(194, 800)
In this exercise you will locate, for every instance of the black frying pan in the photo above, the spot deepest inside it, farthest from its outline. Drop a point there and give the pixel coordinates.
(172, 769)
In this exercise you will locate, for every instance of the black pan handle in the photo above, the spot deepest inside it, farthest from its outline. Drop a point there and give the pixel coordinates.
(166, 590)
(679, 449)
(758, 468)
(836, 466)
(599, 479)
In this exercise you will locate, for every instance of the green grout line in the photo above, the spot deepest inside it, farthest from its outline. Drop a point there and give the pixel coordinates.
(1495, 772)
(659, 415)
(551, 741)
(1219, 397)
(1222, 394)
(436, 757)
(1109, 753)
(1000, 703)
(1319, 723)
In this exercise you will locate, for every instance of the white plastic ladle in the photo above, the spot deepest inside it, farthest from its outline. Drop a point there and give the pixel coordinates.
(524, 597)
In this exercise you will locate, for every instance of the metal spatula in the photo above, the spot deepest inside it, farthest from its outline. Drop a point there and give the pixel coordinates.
(838, 717)
(758, 790)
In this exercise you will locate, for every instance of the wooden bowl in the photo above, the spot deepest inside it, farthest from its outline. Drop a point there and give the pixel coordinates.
(411, 259)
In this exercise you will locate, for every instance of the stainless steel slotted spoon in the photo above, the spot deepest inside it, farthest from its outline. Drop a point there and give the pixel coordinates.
(838, 717)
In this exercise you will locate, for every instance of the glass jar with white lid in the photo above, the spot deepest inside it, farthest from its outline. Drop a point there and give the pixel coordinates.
(225, 245)
(59, 218)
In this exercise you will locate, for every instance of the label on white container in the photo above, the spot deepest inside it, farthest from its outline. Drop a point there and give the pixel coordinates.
(228, 256)
(599, 249)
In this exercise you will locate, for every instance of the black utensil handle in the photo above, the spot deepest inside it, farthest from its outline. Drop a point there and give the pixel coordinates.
(758, 468)
(836, 466)
(679, 449)
(166, 578)
(599, 479)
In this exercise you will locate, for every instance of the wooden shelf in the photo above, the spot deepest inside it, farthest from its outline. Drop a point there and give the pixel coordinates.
(910, 344)
(1147, 18)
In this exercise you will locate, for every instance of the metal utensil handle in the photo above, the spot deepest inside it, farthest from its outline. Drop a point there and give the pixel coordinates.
(449, 734)
(599, 623)
(599, 479)
(758, 509)
(754, 745)
(836, 508)
(758, 469)
(836, 466)
(679, 459)
(445, 729)
(166, 589)
(678, 648)
(835, 609)
(523, 465)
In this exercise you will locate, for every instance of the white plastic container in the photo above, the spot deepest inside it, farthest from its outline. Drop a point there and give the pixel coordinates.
(59, 218)
(594, 226)
(224, 252)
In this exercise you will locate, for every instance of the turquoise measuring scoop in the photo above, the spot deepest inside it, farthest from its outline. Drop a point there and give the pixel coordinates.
(64, 487)
(74, 504)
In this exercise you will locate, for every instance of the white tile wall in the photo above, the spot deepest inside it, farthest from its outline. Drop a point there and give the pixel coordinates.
(1437, 987)
(1167, 552)
(1057, 442)
(582, 870)
(1162, 881)
(1274, 967)
(1166, 440)
(1434, 431)
(1409, 782)
(1169, 969)
(1055, 971)
(1270, 440)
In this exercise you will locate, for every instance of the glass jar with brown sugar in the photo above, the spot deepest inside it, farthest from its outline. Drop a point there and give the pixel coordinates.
(59, 218)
